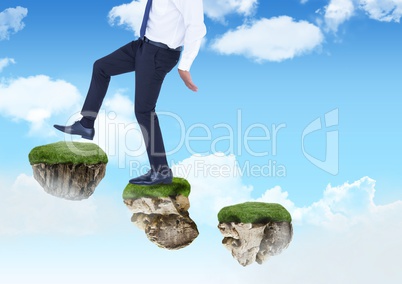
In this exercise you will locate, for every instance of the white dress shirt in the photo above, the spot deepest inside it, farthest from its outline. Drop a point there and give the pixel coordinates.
(178, 23)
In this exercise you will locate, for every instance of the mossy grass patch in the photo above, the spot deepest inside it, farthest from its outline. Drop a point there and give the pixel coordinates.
(179, 186)
(65, 152)
(254, 212)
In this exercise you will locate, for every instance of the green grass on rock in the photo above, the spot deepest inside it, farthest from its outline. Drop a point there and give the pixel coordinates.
(254, 212)
(179, 186)
(64, 152)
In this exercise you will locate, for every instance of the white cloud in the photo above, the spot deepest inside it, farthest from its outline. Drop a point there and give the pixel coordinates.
(35, 99)
(218, 9)
(4, 62)
(368, 253)
(337, 12)
(26, 209)
(128, 15)
(216, 181)
(383, 10)
(365, 251)
(340, 207)
(11, 21)
(274, 39)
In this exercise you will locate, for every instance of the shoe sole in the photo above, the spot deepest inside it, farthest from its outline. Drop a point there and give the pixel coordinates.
(82, 136)
(87, 137)
(163, 182)
(74, 133)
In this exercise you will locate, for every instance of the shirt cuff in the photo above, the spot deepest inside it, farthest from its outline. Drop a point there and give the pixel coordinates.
(185, 64)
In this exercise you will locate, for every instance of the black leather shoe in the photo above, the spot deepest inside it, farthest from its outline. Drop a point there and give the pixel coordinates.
(154, 178)
(77, 129)
(141, 178)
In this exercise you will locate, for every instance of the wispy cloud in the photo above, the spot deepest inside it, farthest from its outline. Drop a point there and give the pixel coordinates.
(274, 39)
(128, 15)
(4, 62)
(337, 12)
(340, 208)
(366, 253)
(216, 182)
(11, 21)
(218, 9)
(344, 230)
(36, 98)
(383, 10)
(26, 209)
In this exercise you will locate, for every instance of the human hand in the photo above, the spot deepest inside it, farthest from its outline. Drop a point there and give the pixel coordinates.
(186, 77)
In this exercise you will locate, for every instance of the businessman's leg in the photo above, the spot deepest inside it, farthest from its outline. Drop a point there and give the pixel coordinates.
(118, 62)
(152, 65)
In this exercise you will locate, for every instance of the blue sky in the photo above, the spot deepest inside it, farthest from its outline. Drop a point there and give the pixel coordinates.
(264, 65)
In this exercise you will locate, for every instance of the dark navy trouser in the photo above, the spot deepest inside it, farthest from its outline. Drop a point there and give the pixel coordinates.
(151, 64)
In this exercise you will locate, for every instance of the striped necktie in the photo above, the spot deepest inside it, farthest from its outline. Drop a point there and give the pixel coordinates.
(145, 19)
